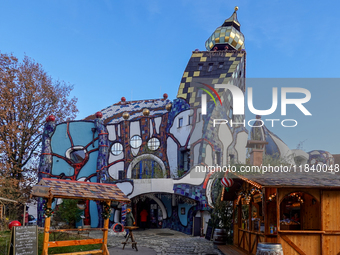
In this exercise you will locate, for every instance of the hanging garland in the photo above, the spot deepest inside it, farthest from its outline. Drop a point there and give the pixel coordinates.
(106, 211)
(48, 212)
(247, 195)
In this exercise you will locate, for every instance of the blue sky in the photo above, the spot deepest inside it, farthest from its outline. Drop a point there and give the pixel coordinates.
(139, 49)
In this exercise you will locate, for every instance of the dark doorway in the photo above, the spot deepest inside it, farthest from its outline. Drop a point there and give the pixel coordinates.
(154, 217)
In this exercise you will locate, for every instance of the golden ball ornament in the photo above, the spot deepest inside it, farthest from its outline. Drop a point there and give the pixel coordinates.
(168, 107)
(126, 115)
(146, 112)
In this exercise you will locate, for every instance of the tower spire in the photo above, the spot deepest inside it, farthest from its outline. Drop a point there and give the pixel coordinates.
(232, 21)
(228, 36)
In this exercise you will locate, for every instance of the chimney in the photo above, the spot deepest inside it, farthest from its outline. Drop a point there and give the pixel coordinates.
(256, 153)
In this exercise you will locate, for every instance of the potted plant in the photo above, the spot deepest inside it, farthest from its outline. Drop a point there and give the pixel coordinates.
(221, 216)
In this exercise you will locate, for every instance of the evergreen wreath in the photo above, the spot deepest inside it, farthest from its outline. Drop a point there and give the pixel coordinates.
(106, 210)
(47, 210)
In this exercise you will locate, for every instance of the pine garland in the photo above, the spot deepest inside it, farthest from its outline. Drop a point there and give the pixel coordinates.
(47, 211)
(106, 211)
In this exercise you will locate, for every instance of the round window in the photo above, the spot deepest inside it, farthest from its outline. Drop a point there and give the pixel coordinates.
(153, 144)
(116, 149)
(136, 141)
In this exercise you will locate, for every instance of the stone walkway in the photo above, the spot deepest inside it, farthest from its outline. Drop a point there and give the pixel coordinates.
(161, 241)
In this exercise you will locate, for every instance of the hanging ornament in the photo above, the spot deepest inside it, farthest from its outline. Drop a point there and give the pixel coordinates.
(227, 183)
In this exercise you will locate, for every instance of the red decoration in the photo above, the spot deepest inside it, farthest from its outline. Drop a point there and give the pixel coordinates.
(226, 182)
(123, 99)
(118, 227)
(165, 95)
(14, 223)
(99, 115)
(50, 118)
(215, 48)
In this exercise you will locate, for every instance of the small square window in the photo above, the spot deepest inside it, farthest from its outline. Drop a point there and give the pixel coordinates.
(200, 67)
(180, 122)
(120, 175)
(210, 68)
(220, 65)
(190, 119)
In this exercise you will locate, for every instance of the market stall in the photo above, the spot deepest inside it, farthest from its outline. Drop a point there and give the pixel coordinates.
(298, 210)
(57, 188)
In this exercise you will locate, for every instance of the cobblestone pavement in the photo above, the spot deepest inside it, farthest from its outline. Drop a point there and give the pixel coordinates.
(163, 241)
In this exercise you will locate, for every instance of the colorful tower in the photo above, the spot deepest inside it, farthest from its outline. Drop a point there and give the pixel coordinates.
(222, 63)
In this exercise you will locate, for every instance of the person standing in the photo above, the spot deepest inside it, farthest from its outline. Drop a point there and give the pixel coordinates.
(143, 218)
(130, 220)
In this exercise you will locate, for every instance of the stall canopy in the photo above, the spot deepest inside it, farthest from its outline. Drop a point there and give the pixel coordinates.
(297, 208)
(57, 188)
(291, 179)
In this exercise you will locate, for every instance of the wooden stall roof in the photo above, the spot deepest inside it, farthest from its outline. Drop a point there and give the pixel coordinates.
(292, 179)
(8, 200)
(58, 188)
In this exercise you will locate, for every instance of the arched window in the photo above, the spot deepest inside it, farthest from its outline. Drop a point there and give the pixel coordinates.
(146, 169)
(299, 211)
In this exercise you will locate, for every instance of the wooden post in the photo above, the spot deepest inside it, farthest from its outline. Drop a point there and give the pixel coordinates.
(105, 233)
(47, 230)
(24, 215)
(239, 222)
(266, 218)
(249, 222)
(278, 213)
(321, 223)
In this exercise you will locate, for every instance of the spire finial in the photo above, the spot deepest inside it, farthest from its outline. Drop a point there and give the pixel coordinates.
(236, 8)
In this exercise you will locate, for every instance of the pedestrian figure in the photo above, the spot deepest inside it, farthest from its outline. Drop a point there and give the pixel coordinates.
(130, 220)
(143, 218)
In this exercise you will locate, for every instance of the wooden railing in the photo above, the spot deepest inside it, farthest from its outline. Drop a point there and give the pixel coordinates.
(248, 240)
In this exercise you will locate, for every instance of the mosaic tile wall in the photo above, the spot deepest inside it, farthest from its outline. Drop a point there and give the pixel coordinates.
(175, 223)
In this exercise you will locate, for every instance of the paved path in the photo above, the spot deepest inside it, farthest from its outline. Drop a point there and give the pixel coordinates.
(160, 242)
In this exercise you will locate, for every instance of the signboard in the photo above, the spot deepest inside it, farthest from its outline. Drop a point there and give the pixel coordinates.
(209, 233)
(40, 191)
(24, 241)
(257, 198)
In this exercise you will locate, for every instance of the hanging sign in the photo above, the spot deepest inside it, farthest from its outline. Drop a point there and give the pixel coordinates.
(257, 198)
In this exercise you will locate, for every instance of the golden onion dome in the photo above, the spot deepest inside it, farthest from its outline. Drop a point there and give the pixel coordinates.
(229, 34)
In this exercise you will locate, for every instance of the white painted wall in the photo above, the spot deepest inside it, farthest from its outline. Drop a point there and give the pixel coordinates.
(226, 137)
(114, 169)
(134, 128)
(158, 122)
(112, 132)
(183, 132)
(240, 146)
(125, 187)
(196, 153)
(172, 157)
(208, 155)
(142, 186)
